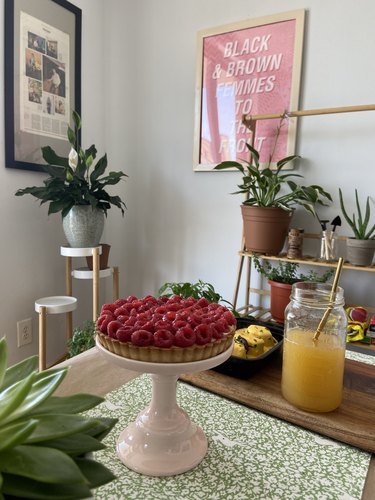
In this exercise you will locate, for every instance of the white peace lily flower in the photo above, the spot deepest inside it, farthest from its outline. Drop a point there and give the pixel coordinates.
(73, 159)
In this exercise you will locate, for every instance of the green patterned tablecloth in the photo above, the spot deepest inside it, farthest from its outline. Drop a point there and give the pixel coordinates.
(250, 456)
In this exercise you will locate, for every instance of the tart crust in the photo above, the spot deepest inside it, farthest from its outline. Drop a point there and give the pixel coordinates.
(173, 354)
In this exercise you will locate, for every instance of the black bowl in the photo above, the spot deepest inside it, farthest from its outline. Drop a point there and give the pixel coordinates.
(245, 368)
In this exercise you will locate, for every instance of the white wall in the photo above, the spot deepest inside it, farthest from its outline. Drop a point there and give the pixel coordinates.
(138, 105)
(183, 225)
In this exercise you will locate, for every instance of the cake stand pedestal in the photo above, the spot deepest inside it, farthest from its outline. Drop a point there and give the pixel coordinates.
(162, 441)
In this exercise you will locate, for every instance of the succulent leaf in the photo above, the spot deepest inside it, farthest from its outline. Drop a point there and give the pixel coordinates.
(13, 397)
(41, 437)
(19, 371)
(68, 404)
(58, 426)
(41, 464)
(94, 472)
(75, 445)
(15, 433)
(44, 385)
(30, 489)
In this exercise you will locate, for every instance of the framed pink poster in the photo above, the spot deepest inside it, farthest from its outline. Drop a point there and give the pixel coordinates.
(248, 68)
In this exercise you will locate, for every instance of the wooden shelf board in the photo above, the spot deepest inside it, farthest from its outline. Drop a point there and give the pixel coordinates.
(309, 260)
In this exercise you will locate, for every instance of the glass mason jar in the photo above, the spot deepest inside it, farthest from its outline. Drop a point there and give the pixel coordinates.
(313, 371)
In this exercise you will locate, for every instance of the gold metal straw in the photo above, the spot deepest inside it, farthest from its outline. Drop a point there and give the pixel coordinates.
(323, 321)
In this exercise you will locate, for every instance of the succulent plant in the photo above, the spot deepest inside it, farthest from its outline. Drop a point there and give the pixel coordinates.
(359, 226)
(44, 442)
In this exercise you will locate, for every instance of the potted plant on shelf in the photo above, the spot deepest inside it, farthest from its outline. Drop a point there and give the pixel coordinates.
(77, 188)
(44, 441)
(270, 199)
(281, 278)
(361, 247)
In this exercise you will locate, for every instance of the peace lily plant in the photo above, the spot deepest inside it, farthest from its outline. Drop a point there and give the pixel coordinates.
(76, 180)
(44, 441)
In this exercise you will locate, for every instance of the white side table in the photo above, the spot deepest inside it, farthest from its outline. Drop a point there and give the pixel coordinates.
(51, 305)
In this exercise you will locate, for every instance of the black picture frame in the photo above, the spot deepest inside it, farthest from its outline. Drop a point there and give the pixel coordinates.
(60, 28)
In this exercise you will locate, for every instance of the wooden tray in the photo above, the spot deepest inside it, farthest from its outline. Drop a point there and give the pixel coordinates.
(351, 423)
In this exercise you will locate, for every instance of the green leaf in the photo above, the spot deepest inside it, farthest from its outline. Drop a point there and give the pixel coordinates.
(77, 444)
(52, 158)
(57, 426)
(72, 137)
(229, 164)
(99, 169)
(27, 488)
(19, 371)
(41, 464)
(68, 404)
(95, 473)
(103, 426)
(13, 397)
(13, 434)
(76, 120)
(44, 384)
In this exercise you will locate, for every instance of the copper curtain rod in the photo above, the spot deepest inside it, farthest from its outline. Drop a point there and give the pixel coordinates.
(247, 119)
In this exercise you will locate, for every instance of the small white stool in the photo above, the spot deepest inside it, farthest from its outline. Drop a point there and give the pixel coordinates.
(50, 305)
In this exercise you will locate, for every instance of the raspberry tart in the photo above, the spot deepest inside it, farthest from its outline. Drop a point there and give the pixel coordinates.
(165, 330)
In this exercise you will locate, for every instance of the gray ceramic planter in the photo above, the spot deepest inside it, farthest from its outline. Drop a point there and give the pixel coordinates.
(83, 226)
(360, 252)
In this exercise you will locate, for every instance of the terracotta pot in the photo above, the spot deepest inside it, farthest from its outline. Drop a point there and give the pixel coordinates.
(103, 257)
(280, 298)
(360, 252)
(265, 229)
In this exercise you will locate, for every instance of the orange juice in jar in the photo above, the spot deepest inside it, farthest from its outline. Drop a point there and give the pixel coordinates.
(313, 371)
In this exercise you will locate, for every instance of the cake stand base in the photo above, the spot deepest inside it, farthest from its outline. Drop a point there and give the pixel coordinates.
(163, 441)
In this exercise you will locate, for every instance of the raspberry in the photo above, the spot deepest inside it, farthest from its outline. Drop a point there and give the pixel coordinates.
(108, 307)
(124, 334)
(179, 323)
(203, 334)
(229, 318)
(122, 318)
(161, 310)
(216, 334)
(185, 337)
(221, 325)
(213, 306)
(131, 321)
(121, 311)
(149, 326)
(142, 338)
(202, 302)
(120, 302)
(163, 338)
(131, 298)
(170, 316)
(174, 299)
(164, 325)
(195, 320)
(103, 322)
(112, 328)
(173, 306)
(184, 314)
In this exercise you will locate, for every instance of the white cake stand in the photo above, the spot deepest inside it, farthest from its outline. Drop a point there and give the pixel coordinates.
(162, 441)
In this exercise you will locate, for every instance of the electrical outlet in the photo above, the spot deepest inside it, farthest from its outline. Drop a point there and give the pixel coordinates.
(24, 332)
